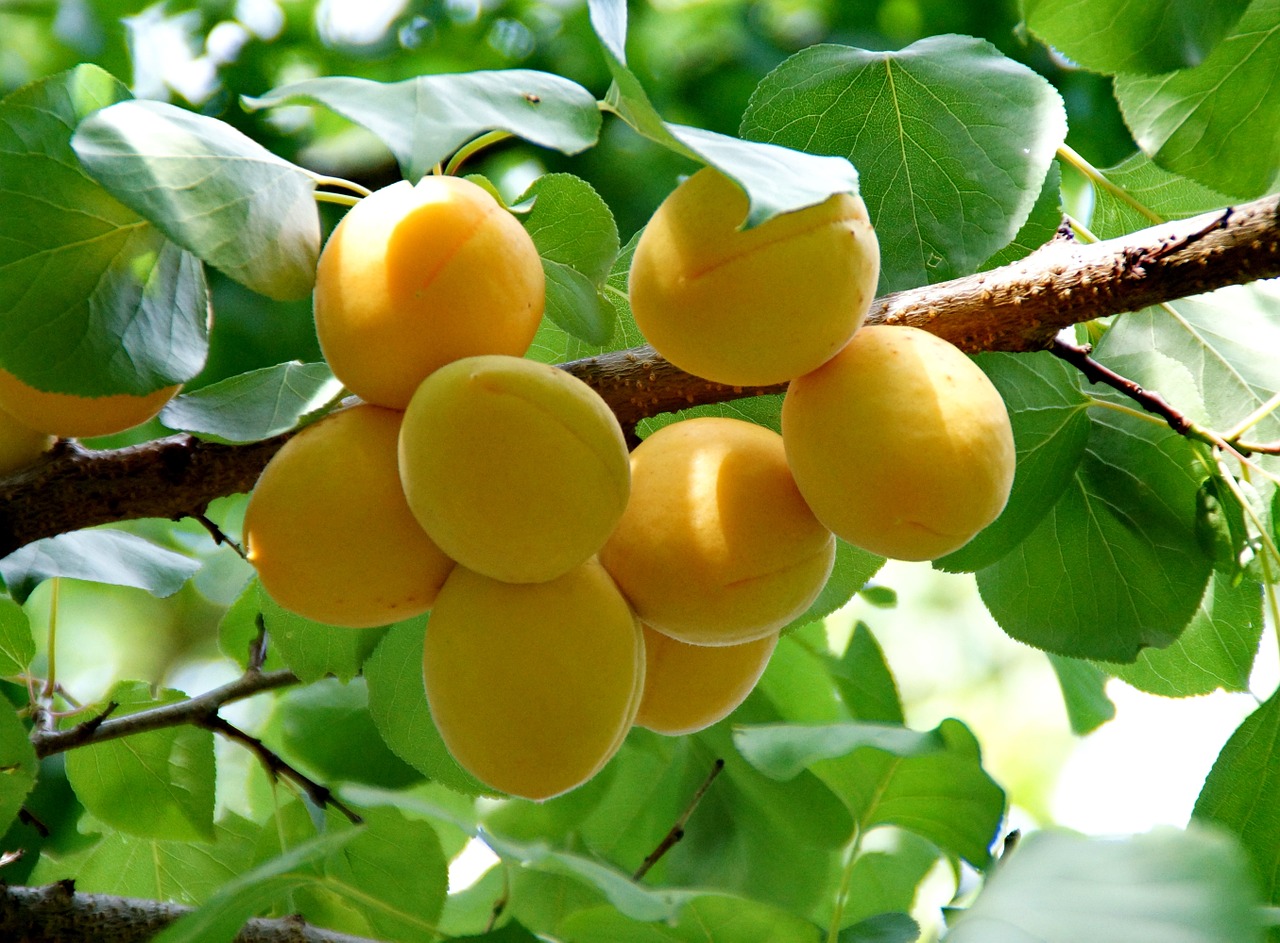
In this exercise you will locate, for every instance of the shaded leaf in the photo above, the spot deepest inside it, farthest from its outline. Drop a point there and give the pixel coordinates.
(18, 764)
(102, 556)
(313, 650)
(254, 405)
(708, 918)
(575, 305)
(952, 140)
(209, 188)
(1084, 691)
(865, 682)
(17, 645)
(853, 567)
(882, 928)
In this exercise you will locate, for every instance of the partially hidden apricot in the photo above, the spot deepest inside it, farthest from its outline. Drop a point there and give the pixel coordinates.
(328, 529)
(19, 446)
(533, 686)
(757, 306)
(689, 687)
(716, 546)
(900, 444)
(416, 276)
(69, 416)
(517, 470)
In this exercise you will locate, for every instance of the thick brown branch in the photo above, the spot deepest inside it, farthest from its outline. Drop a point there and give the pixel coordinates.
(1019, 307)
(56, 914)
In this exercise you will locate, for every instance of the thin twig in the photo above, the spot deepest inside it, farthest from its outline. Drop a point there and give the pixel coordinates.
(1079, 357)
(677, 830)
(218, 535)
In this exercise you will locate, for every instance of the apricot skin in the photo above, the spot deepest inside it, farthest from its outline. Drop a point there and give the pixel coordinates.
(414, 277)
(751, 307)
(516, 469)
(689, 687)
(19, 446)
(533, 686)
(328, 529)
(68, 416)
(716, 546)
(901, 445)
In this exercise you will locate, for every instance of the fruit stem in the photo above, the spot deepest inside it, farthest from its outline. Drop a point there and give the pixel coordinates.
(472, 147)
(342, 199)
(323, 180)
(852, 851)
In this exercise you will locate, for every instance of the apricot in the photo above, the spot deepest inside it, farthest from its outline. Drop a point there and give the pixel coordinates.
(533, 686)
(19, 446)
(69, 416)
(689, 687)
(328, 529)
(416, 276)
(716, 546)
(900, 444)
(757, 306)
(516, 469)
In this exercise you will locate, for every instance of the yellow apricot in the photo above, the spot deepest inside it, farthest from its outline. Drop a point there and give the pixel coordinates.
(70, 416)
(416, 276)
(517, 470)
(19, 446)
(689, 687)
(716, 546)
(533, 686)
(900, 444)
(757, 306)
(328, 529)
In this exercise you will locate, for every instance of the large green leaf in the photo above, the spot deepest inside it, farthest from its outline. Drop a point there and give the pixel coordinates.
(93, 300)
(1167, 885)
(1242, 793)
(18, 764)
(1138, 36)
(1216, 123)
(254, 405)
(157, 784)
(952, 140)
(1050, 429)
(1166, 195)
(1084, 693)
(314, 650)
(864, 680)
(775, 179)
(103, 556)
(1041, 226)
(211, 189)
(425, 119)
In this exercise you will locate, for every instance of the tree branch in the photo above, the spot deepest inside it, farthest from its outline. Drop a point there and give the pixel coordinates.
(1019, 307)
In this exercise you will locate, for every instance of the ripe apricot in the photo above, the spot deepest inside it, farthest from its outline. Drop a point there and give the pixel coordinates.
(757, 306)
(69, 416)
(900, 444)
(689, 687)
(416, 276)
(716, 545)
(516, 469)
(533, 686)
(328, 529)
(19, 446)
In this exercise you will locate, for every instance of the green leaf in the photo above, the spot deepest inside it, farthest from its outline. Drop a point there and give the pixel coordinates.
(425, 119)
(1215, 123)
(313, 650)
(1050, 429)
(706, 918)
(1217, 650)
(1166, 885)
(1241, 794)
(865, 682)
(17, 645)
(1041, 226)
(398, 705)
(94, 299)
(238, 629)
(209, 188)
(570, 224)
(102, 556)
(157, 784)
(1114, 566)
(18, 765)
(782, 751)
(1166, 195)
(575, 305)
(509, 933)
(254, 405)
(1138, 36)
(1084, 693)
(953, 142)
(882, 928)
(853, 567)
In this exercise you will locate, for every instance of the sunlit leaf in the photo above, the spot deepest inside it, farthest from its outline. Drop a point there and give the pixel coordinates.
(1166, 195)
(17, 645)
(853, 567)
(313, 650)
(1084, 693)
(254, 405)
(18, 764)
(710, 918)
(103, 556)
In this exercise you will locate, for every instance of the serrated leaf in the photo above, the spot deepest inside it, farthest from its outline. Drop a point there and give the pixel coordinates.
(157, 784)
(575, 305)
(209, 188)
(425, 119)
(1166, 195)
(1136, 36)
(398, 705)
(1050, 429)
(1216, 650)
(570, 224)
(1084, 692)
(952, 140)
(1165, 885)
(18, 764)
(102, 556)
(1241, 794)
(254, 405)
(17, 645)
(95, 300)
(238, 629)
(313, 650)
(1041, 226)
(1215, 123)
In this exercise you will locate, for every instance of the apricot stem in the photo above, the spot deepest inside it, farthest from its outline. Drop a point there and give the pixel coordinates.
(473, 147)
(677, 830)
